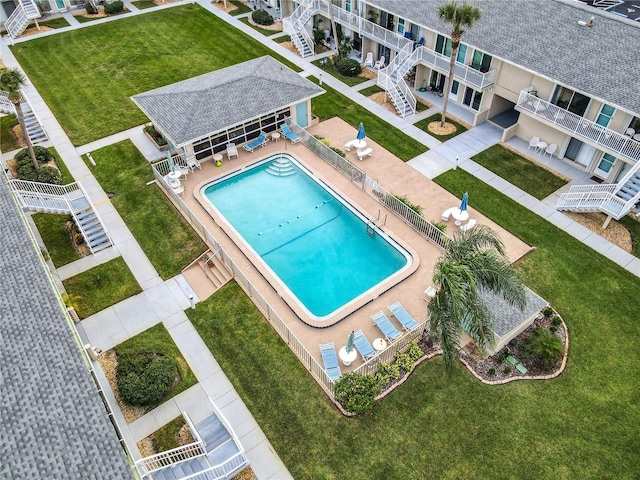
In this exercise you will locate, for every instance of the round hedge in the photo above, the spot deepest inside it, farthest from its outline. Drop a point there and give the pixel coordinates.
(262, 17)
(145, 379)
(347, 66)
(357, 392)
(49, 174)
(42, 154)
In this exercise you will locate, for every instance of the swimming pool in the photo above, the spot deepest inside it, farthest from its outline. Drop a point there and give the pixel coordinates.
(309, 237)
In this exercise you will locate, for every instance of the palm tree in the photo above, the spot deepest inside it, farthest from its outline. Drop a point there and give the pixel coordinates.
(474, 259)
(458, 16)
(11, 81)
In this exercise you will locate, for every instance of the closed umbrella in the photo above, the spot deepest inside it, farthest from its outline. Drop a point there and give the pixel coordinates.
(172, 166)
(360, 143)
(349, 347)
(465, 201)
(461, 214)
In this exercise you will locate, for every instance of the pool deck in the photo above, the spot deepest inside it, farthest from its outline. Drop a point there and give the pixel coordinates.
(394, 175)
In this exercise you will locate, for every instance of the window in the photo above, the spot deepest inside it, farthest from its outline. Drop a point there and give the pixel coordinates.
(481, 61)
(443, 45)
(462, 53)
(606, 112)
(569, 100)
(347, 6)
(401, 26)
(472, 98)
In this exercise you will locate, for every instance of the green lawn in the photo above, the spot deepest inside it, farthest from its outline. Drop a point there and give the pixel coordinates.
(371, 90)
(580, 425)
(143, 4)
(157, 339)
(64, 171)
(334, 104)
(328, 68)
(102, 286)
(422, 125)
(166, 437)
(164, 235)
(634, 227)
(8, 141)
(519, 171)
(241, 8)
(282, 39)
(122, 58)
(55, 237)
(59, 22)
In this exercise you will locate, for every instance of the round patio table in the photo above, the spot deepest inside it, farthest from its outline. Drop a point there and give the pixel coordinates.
(347, 357)
(460, 216)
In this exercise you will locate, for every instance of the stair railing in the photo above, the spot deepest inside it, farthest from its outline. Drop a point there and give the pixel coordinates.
(25, 99)
(150, 464)
(628, 175)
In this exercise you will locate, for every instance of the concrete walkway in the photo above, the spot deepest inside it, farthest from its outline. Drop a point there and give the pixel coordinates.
(165, 301)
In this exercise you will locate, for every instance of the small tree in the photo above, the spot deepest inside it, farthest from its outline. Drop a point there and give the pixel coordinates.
(543, 346)
(11, 81)
(459, 17)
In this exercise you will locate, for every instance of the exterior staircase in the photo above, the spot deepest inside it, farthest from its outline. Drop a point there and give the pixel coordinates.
(214, 269)
(295, 26)
(615, 200)
(34, 127)
(64, 199)
(215, 454)
(18, 21)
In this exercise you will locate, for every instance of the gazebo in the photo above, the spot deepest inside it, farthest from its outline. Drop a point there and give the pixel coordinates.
(199, 116)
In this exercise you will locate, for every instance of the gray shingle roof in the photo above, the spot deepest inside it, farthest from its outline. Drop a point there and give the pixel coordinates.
(543, 36)
(200, 106)
(53, 423)
(507, 317)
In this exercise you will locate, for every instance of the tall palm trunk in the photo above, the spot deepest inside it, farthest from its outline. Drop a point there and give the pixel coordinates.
(455, 44)
(16, 100)
(333, 25)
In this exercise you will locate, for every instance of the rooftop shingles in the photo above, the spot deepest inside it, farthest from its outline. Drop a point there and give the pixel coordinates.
(195, 108)
(508, 317)
(543, 36)
(54, 424)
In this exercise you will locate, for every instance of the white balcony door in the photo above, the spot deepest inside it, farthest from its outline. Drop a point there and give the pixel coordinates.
(603, 169)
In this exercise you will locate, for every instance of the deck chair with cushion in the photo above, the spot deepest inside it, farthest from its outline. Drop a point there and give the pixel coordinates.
(232, 150)
(330, 361)
(363, 345)
(286, 131)
(385, 326)
(256, 142)
(404, 317)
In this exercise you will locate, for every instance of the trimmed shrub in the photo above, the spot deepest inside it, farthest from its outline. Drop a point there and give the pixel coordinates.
(556, 321)
(547, 311)
(115, 7)
(262, 17)
(492, 372)
(27, 172)
(145, 379)
(347, 66)
(42, 154)
(357, 392)
(338, 151)
(507, 370)
(404, 361)
(48, 174)
(543, 346)
(414, 352)
(89, 8)
(387, 372)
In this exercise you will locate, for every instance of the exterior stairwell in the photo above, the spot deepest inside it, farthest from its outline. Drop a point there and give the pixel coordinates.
(64, 199)
(214, 269)
(34, 127)
(615, 200)
(295, 26)
(18, 21)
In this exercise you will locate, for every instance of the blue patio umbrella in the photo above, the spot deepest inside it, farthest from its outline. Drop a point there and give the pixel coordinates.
(349, 347)
(465, 201)
(172, 166)
(361, 133)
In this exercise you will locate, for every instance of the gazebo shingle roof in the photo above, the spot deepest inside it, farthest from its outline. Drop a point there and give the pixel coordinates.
(200, 106)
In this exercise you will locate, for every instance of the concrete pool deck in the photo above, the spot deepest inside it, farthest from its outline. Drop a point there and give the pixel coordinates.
(392, 174)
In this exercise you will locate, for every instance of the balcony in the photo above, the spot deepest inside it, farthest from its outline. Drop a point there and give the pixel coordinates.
(607, 140)
(463, 73)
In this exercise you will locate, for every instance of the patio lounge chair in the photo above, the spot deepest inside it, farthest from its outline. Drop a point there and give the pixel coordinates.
(257, 142)
(330, 361)
(232, 150)
(286, 131)
(363, 345)
(385, 326)
(404, 317)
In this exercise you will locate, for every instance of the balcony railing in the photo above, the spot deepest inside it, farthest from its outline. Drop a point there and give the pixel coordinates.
(613, 142)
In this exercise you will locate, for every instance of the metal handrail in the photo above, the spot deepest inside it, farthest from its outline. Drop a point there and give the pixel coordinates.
(611, 140)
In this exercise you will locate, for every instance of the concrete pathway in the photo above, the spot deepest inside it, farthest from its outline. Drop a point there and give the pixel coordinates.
(165, 301)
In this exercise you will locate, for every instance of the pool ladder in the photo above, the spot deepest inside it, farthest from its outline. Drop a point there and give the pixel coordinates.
(376, 222)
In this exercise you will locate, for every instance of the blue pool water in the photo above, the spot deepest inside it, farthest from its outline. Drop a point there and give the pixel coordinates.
(314, 241)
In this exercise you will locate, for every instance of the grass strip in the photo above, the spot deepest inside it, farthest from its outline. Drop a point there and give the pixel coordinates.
(634, 228)
(126, 57)
(519, 171)
(334, 104)
(55, 237)
(8, 141)
(373, 89)
(144, 4)
(102, 286)
(54, 23)
(329, 68)
(158, 340)
(263, 31)
(241, 8)
(424, 123)
(166, 238)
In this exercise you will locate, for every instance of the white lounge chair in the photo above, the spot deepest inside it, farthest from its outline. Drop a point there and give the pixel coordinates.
(380, 63)
(232, 150)
(447, 213)
(364, 153)
(468, 226)
(368, 62)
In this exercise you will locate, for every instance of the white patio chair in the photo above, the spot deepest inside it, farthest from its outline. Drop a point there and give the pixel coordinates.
(447, 213)
(193, 163)
(348, 145)
(630, 132)
(551, 149)
(534, 142)
(468, 226)
(380, 63)
(232, 150)
(368, 62)
(364, 153)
